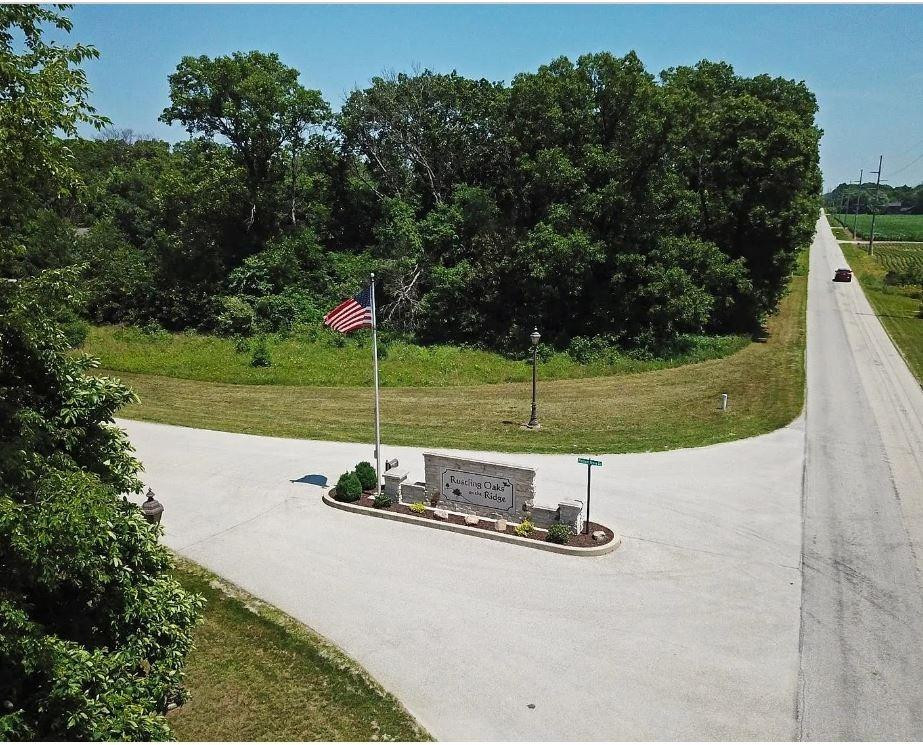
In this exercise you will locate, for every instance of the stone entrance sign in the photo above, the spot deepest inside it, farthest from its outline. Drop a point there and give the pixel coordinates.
(477, 489)
(480, 487)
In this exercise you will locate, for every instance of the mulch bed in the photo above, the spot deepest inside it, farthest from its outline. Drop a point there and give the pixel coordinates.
(583, 540)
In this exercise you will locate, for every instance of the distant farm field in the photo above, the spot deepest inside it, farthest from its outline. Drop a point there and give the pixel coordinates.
(887, 227)
(898, 306)
(896, 257)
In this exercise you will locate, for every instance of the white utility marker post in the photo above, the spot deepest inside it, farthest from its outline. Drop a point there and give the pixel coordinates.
(377, 404)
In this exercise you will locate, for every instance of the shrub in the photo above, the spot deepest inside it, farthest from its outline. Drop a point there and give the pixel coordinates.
(235, 317)
(366, 474)
(381, 500)
(261, 356)
(559, 533)
(241, 344)
(154, 330)
(281, 313)
(348, 487)
(418, 507)
(75, 330)
(584, 350)
(543, 353)
(525, 528)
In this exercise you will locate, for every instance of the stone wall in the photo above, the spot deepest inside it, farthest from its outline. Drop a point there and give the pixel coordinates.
(480, 487)
(491, 490)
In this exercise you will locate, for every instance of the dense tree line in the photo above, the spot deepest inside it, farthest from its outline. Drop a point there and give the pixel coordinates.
(590, 198)
(869, 198)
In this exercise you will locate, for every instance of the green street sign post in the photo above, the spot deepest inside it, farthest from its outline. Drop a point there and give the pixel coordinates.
(589, 463)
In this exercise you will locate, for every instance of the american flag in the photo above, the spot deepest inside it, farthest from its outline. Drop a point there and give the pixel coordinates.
(353, 313)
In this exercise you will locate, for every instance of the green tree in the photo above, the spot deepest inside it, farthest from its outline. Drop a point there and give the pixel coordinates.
(258, 105)
(42, 91)
(421, 135)
(93, 631)
(748, 153)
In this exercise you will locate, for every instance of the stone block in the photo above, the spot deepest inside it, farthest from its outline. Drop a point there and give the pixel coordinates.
(570, 512)
(472, 519)
(412, 493)
(500, 525)
(542, 516)
(393, 481)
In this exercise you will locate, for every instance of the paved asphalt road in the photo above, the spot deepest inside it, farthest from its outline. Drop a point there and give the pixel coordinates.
(862, 611)
(691, 630)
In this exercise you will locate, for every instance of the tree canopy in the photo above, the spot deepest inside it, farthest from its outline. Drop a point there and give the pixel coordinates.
(591, 198)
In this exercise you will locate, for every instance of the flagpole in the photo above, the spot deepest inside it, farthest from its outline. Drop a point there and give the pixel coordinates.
(377, 405)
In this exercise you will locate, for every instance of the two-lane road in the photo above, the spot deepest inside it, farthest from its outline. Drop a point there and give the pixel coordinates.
(862, 606)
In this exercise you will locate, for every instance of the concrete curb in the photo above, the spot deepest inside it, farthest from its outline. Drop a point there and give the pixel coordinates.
(479, 532)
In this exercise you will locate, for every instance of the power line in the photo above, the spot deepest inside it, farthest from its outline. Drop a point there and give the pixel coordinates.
(901, 170)
(903, 153)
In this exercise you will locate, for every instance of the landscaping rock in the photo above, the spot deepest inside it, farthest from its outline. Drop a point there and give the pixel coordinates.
(599, 535)
(441, 514)
(500, 525)
(472, 519)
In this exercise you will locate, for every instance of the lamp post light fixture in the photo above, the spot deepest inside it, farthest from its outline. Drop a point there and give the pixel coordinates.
(534, 337)
(152, 509)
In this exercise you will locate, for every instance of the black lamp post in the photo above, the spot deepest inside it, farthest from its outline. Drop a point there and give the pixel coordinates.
(534, 337)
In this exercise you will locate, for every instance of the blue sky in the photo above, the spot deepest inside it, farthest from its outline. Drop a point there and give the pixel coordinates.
(864, 62)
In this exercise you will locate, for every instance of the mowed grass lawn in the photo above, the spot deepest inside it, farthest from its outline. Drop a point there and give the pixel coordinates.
(652, 410)
(897, 306)
(256, 674)
(887, 227)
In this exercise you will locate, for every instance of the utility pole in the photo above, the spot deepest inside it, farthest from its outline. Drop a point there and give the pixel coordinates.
(855, 221)
(844, 213)
(872, 229)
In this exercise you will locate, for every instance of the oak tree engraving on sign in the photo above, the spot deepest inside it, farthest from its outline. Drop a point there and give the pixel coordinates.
(478, 489)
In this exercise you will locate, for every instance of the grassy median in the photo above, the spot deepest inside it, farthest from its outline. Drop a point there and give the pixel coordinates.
(898, 306)
(652, 410)
(256, 674)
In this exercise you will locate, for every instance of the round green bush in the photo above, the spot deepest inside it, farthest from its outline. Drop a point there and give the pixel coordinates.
(559, 533)
(348, 487)
(366, 474)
